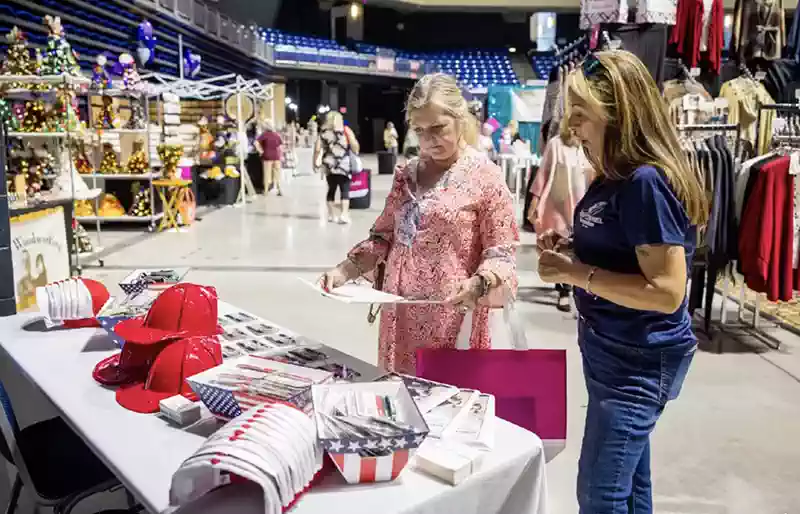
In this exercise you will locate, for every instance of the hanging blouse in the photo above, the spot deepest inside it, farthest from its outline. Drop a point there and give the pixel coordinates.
(744, 96)
(759, 29)
(698, 33)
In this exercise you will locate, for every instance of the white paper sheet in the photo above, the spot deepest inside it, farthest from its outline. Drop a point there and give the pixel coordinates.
(354, 293)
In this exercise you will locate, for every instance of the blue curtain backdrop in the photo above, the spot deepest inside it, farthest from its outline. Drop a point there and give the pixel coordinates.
(500, 108)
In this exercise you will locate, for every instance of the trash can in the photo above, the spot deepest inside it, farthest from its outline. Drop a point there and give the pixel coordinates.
(361, 190)
(386, 163)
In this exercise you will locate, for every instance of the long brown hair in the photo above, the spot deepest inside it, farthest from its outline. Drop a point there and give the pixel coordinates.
(620, 90)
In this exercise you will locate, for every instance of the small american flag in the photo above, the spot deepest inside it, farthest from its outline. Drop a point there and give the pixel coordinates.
(361, 470)
(220, 402)
(133, 285)
(108, 323)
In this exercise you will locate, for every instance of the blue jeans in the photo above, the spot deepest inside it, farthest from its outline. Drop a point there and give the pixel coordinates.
(628, 389)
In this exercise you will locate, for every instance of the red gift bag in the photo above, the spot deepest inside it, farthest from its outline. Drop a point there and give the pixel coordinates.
(530, 386)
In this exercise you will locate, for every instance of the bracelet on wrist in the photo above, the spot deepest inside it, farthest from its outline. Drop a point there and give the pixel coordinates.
(589, 277)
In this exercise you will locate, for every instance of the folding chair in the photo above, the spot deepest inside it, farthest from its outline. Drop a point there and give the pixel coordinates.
(57, 467)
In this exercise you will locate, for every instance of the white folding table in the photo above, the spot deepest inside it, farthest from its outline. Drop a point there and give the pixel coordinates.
(143, 451)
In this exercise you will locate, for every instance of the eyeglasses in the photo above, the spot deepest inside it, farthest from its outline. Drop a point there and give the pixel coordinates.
(590, 65)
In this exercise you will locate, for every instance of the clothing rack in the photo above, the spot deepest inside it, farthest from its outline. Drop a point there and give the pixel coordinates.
(769, 340)
(724, 128)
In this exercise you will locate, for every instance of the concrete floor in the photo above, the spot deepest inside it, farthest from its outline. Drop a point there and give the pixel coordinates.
(728, 445)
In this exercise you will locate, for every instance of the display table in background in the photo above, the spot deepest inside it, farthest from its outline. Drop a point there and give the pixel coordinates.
(143, 451)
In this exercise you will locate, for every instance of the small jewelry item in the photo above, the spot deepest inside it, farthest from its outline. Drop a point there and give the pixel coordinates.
(589, 277)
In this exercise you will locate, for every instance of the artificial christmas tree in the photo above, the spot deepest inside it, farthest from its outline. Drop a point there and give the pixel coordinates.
(110, 161)
(18, 58)
(7, 116)
(100, 77)
(170, 156)
(136, 121)
(130, 76)
(142, 206)
(63, 117)
(110, 206)
(83, 208)
(137, 162)
(34, 178)
(58, 54)
(82, 163)
(107, 118)
(80, 238)
(35, 118)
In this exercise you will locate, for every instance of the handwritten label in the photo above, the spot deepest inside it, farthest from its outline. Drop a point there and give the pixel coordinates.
(694, 72)
(761, 75)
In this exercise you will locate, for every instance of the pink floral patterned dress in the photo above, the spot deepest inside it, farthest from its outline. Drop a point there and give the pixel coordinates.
(430, 244)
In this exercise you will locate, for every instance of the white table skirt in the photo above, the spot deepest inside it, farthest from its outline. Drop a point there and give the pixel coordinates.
(143, 451)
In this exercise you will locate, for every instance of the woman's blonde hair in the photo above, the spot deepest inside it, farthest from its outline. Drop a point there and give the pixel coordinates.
(334, 121)
(442, 91)
(620, 90)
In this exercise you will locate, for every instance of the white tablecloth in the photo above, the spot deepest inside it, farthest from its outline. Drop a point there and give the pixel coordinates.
(143, 451)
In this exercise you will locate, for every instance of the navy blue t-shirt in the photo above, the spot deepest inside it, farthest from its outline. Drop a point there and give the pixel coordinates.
(612, 219)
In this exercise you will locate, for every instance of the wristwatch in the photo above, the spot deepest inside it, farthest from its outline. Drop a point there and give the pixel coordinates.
(485, 285)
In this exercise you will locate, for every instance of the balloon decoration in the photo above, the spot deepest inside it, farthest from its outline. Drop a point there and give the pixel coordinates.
(147, 43)
(191, 63)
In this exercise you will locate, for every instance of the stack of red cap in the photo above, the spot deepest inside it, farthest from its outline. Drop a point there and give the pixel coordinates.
(178, 334)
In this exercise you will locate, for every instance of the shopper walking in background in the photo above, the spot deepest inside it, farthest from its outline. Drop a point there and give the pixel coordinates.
(410, 145)
(332, 154)
(269, 144)
(485, 141)
(447, 232)
(560, 183)
(390, 138)
(634, 237)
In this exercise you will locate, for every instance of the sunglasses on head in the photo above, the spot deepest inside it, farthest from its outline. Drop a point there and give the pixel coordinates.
(590, 65)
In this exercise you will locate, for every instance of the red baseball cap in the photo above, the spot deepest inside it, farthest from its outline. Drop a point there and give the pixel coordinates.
(178, 361)
(183, 310)
(130, 365)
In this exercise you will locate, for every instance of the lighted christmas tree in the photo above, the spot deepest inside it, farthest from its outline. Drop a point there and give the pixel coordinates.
(136, 121)
(100, 77)
(170, 156)
(7, 116)
(34, 178)
(141, 201)
(81, 243)
(130, 76)
(58, 54)
(35, 117)
(82, 163)
(63, 117)
(18, 59)
(110, 161)
(106, 118)
(137, 162)
(83, 208)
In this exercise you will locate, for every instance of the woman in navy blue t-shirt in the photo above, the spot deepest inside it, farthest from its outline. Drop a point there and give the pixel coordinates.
(634, 237)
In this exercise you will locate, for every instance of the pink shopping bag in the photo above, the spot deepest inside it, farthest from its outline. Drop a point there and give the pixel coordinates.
(530, 386)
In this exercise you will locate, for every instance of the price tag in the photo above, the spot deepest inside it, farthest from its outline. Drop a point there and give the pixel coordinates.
(694, 72)
(761, 75)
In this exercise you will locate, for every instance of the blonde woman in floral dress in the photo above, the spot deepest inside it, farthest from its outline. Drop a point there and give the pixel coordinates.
(447, 232)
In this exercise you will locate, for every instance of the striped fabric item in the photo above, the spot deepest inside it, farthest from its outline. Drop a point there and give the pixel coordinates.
(359, 470)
